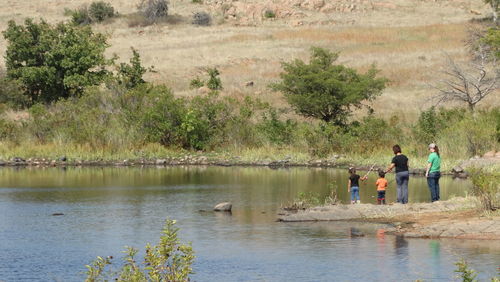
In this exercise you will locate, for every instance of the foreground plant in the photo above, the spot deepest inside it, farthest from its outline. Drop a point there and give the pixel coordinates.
(168, 261)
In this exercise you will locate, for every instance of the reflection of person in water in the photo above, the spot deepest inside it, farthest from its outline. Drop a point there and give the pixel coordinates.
(401, 246)
(435, 249)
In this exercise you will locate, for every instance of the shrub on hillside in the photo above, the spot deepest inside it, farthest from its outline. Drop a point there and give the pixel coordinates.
(96, 12)
(202, 19)
(269, 14)
(154, 10)
(100, 11)
(81, 16)
(214, 82)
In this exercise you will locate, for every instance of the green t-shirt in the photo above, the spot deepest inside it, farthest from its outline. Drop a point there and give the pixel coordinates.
(435, 161)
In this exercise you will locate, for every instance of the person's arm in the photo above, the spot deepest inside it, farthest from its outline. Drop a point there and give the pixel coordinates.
(391, 166)
(427, 169)
(429, 165)
(349, 186)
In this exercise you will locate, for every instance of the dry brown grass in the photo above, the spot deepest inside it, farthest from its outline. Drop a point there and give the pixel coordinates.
(407, 44)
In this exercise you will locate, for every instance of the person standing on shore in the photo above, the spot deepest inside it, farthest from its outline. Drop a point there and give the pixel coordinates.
(353, 185)
(433, 171)
(400, 162)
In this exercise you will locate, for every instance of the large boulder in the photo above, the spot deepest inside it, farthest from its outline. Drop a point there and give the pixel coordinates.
(226, 206)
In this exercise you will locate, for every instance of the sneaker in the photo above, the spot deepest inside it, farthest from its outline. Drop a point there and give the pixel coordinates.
(358, 202)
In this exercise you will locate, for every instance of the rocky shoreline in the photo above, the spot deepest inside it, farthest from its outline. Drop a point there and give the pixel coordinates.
(458, 171)
(456, 218)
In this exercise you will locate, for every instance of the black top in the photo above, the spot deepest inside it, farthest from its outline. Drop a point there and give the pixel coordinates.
(401, 162)
(354, 180)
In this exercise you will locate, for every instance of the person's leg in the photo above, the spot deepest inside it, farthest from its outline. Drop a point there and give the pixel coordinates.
(357, 195)
(404, 187)
(352, 196)
(437, 186)
(383, 197)
(432, 189)
(399, 192)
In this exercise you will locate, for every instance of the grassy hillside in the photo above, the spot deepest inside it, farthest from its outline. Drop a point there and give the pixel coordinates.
(407, 40)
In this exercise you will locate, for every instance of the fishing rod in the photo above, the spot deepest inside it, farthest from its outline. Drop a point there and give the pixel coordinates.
(370, 170)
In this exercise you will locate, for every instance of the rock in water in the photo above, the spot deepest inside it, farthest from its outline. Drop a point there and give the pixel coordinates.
(226, 206)
(356, 232)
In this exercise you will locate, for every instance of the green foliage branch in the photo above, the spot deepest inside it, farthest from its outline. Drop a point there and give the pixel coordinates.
(169, 260)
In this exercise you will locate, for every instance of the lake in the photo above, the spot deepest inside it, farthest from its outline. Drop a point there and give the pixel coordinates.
(106, 209)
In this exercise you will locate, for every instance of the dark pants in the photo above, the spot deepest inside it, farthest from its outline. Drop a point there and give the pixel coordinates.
(381, 197)
(402, 179)
(433, 182)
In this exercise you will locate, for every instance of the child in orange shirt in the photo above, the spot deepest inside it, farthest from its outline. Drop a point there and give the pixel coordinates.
(381, 186)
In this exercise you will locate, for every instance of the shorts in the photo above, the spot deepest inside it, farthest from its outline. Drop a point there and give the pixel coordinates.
(381, 195)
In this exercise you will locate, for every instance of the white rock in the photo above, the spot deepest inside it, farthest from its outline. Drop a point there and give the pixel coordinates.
(226, 206)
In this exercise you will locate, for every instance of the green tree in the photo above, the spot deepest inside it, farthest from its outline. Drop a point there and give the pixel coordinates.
(53, 62)
(324, 90)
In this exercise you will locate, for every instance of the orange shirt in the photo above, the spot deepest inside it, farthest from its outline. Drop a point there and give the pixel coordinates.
(381, 184)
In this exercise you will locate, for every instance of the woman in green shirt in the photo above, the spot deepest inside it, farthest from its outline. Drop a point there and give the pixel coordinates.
(433, 171)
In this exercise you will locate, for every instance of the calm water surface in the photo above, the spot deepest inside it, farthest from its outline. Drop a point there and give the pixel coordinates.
(106, 209)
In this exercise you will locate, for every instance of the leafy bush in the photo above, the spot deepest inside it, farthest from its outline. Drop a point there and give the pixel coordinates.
(326, 138)
(8, 130)
(214, 82)
(130, 75)
(168, 261)
(269, 14)
(485, 185)
(466, 274)
(81, 16)
(371, 133)
(196, 83)
(205, 121)
(324, 90)
(202, 18)
(53, 62)
(277, 131)
(11, 93)
(162, 115)
(469, 134)
(197, 1)
(99, 11)
(154, 10)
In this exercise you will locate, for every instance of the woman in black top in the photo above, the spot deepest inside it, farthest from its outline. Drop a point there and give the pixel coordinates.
(400, 162)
